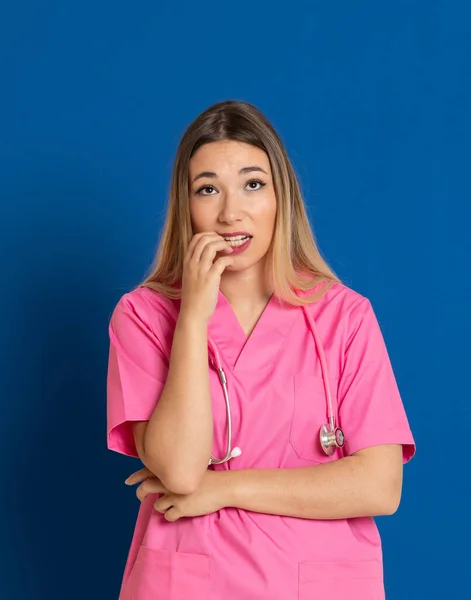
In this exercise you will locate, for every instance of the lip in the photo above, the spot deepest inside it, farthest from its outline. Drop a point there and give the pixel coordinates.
(236, 234)
(239, 249)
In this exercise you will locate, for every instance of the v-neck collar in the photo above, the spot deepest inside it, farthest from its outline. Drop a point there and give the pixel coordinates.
(258, 350)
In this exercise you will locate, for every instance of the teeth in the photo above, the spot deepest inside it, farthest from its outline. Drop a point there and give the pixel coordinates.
(236, 238)
(237, 241)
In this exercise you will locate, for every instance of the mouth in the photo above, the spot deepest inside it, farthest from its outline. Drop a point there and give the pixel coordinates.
(238, 239)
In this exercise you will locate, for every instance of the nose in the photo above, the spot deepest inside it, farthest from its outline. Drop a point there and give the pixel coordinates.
(231, 209)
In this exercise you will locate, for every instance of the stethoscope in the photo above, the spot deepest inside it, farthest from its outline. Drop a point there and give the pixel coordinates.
(331, 437)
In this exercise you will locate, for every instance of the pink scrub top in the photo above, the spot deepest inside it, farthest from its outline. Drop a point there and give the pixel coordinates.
(278, 406)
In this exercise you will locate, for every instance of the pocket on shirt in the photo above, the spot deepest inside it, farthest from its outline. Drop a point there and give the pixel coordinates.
(309, 415)
(163, 575)
(352, 580)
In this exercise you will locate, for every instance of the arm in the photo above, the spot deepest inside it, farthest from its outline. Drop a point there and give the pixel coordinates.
(159, 408)
(177, 440)
(368, 483)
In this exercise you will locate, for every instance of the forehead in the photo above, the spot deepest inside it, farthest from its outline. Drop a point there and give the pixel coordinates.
(227, 156)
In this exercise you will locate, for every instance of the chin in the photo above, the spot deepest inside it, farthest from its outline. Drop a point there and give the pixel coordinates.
(243, 263)
(235, 268)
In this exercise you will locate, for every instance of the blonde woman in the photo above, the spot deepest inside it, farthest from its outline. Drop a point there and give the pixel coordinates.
(256, 389)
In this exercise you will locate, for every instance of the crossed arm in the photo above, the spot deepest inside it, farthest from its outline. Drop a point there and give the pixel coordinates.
(368, 483)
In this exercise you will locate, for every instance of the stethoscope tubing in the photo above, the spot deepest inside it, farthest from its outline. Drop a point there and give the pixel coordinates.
(215, 360)
(323, 361)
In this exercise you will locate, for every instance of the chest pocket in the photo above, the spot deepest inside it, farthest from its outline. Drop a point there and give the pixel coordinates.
(310, 413)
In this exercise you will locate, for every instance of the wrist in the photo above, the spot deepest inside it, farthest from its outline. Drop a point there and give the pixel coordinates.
(192, 322)
(228, 488)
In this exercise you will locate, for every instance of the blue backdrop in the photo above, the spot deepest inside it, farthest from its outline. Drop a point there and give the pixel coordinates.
(373, 102)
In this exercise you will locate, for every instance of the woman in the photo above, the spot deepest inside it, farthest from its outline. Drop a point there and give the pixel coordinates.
(238, 279)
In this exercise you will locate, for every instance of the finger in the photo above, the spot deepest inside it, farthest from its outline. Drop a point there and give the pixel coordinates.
(150, 486)
(210, 251)
(204, 242)
(138, 476)
(220, 264)
(172, 515)
(163, 504)
(195, 240)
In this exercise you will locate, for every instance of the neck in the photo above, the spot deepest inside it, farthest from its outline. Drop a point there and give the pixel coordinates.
(246, 288)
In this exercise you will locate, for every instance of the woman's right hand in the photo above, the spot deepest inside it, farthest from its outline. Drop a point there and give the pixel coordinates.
(202, 274)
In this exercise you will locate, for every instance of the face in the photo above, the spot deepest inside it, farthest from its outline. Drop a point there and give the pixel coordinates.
(231, 190)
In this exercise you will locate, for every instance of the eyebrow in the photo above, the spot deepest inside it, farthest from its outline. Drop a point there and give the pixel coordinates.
(242, 171)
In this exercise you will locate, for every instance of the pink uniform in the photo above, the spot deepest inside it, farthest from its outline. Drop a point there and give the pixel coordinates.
(278, 405)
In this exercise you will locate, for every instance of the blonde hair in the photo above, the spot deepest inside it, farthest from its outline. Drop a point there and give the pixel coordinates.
(294, 262)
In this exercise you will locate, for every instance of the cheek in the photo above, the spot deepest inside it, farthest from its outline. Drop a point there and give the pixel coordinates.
(200, 217)
(266, 216)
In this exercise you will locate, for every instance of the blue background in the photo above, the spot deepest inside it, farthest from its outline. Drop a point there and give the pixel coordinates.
(373, 102)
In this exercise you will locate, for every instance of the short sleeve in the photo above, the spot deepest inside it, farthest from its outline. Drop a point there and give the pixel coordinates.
(371, 411)
(137, 372)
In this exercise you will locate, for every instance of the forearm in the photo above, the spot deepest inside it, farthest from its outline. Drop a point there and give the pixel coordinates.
(179, 435)
(341, 489)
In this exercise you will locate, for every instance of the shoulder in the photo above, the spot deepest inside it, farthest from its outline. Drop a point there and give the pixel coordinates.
(341, 311)
(145, 299)
(339, 298)
(147, 306)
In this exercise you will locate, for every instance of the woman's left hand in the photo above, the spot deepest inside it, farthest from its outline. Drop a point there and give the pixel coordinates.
(207, 499)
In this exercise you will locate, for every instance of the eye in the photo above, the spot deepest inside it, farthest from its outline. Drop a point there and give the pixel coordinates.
(204, 187)
(252, 182)
(256, 181)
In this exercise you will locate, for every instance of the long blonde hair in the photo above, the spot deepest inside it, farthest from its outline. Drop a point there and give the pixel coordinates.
(294, 261)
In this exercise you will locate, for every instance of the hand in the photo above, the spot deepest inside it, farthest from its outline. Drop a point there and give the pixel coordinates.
(202, 274)
(208, 498)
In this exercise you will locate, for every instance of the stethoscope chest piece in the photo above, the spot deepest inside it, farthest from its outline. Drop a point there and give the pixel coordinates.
(331, 439)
